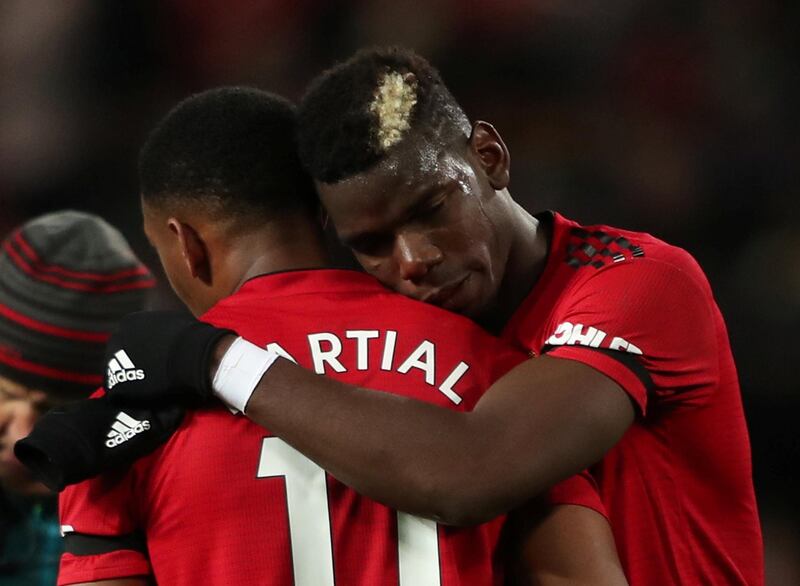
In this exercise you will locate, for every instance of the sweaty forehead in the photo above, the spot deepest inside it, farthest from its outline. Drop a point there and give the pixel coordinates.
(414, 161)
(370, 200)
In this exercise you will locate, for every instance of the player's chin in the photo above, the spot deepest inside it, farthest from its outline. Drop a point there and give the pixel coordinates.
(468, 298)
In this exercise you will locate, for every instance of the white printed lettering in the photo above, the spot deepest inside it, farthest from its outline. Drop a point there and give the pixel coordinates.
(320, 356)
(388, 350)
(423, 358)
(278, 349)
(598, 339)
(447, 386)
(633, 349)
(573, 334)
(578, 337)
(623, 344)
(561, 335)
(362, 338)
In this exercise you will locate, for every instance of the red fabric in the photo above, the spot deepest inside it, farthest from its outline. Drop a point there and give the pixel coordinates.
(104, 507)
(678, 486)
(581, 490)
(209, 518)
(80, 569)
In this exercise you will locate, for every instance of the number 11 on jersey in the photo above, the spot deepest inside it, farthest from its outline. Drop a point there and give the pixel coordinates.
(310, 525)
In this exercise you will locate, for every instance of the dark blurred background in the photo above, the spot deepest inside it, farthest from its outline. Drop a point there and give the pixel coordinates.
(675, 118)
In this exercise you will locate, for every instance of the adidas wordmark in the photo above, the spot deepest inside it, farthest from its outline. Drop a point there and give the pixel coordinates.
(124, 428)
(122, 369)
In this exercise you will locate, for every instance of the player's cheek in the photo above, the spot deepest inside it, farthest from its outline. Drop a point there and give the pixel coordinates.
(21, 424)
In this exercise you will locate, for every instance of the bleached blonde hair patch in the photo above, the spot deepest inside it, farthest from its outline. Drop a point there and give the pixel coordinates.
(392, 105)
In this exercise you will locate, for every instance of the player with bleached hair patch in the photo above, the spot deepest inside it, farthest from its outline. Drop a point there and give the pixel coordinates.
(233, 217)
(394, 101)
(643, 391)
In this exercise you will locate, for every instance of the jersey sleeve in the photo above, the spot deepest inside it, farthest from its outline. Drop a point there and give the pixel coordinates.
(581, 490)
(102, 540)
(646, 324)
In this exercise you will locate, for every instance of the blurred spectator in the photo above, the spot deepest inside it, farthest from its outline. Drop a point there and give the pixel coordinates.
(65, 280)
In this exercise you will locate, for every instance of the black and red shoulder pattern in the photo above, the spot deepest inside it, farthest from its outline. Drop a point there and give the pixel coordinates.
(598, 248)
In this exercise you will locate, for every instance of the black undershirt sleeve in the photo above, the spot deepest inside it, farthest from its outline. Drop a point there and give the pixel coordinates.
(81, 544)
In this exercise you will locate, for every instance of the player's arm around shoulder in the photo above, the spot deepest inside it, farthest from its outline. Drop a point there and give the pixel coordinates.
(559, 413)
(617, 340)
(545, 420)
(542, 422)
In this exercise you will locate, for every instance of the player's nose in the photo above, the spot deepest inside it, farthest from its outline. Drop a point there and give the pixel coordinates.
(416, 255)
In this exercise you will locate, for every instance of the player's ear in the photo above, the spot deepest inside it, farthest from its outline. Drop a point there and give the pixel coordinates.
(193, 250)
(487, 145)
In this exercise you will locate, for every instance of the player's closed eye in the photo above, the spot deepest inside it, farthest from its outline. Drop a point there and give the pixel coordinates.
(432, 210)
(436, 204)
(371, 244)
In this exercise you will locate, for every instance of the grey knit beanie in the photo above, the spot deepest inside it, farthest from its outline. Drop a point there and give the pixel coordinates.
(66, 278)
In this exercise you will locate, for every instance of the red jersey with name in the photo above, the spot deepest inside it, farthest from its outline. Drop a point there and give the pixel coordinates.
(224, 502)
(678, 486)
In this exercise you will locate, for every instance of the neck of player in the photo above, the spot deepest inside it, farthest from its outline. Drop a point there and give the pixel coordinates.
(527, 258)
(299, 246)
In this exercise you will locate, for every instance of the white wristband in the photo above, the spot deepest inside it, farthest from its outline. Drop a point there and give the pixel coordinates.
(239, 372)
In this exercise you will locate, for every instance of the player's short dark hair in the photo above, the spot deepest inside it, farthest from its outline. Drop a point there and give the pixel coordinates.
(232, 148)
(342, 125)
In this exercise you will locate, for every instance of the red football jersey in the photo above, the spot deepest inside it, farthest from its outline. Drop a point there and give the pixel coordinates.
(678, 487)
(223, 502)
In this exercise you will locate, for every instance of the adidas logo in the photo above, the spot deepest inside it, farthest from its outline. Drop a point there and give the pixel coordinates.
(121, 369)
(124, 428)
